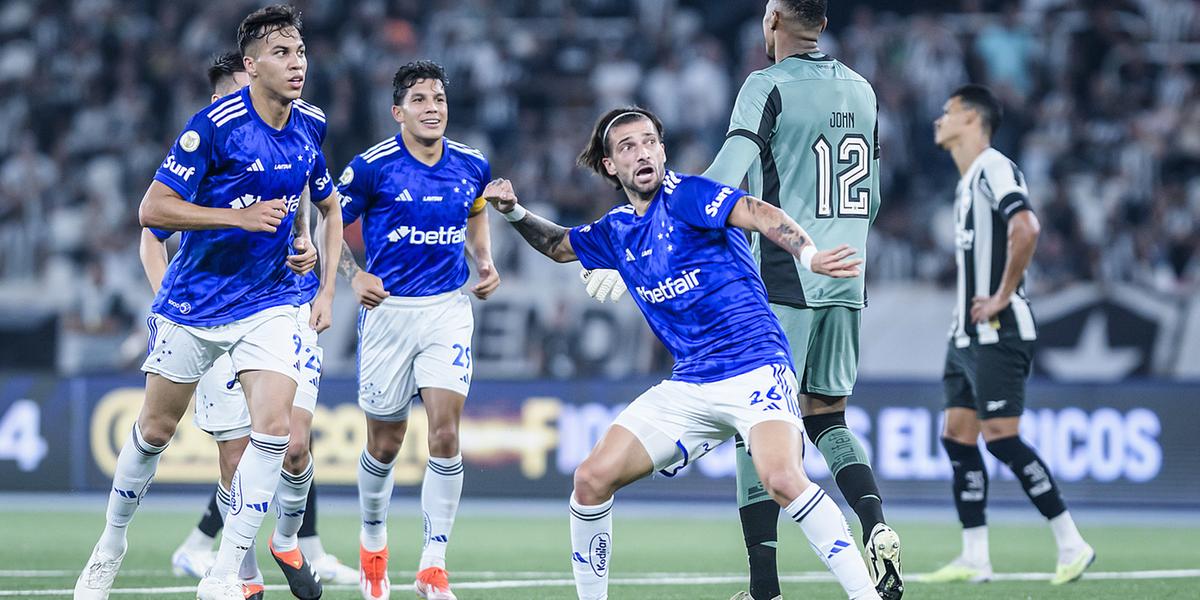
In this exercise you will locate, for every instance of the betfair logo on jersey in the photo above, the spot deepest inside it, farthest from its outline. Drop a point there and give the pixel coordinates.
(714, 207)
(439, 237)
(178, 169)
(247, 200)
(671, 287)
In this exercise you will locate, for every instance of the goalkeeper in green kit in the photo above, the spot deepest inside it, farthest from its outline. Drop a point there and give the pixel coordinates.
(804, 133)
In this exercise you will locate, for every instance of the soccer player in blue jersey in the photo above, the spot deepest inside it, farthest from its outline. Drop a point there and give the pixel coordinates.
(679, 247)
(231, 183)
(418, 194)
(221, 407)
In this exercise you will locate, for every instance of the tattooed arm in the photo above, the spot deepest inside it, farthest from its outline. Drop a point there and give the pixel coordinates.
(774, 224)
(545, 236)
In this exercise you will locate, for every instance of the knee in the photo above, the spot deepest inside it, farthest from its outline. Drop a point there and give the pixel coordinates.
(443, 441)
(385, 449)
(594, 484)
(994, 430)
(784, 484)
(156, 431)
(297, 457)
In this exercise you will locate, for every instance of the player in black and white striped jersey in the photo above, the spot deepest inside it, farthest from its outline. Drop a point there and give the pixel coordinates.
(991, 342)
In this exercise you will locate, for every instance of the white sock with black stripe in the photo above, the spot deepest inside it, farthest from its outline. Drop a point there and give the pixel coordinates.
(439, 502)
(591, 548)
(374, 494)
(248, 571)
(292, 497)
(827, 531)
(135, 469)
(254, 484)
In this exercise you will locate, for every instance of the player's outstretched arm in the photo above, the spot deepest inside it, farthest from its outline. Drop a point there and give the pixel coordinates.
(1023, 232)
(153, 253)
(331, 237)
(163, 208)
(305, 257)
(774, 224)
(545, 236)
(368, 288)
(479, 246)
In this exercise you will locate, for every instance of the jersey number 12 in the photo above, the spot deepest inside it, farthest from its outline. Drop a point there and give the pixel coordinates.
(854, 153)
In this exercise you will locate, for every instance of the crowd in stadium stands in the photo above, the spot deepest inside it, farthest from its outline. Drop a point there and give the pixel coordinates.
(1103, 116)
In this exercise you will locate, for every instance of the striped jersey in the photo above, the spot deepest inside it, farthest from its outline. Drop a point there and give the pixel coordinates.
(228, 157)
(988, 195)
(415, 215)
(814, 121)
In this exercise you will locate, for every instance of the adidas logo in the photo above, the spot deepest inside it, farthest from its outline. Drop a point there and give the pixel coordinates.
(838, 546)
(404, 196)
(256, 167)
(629, 257)
(259, 506)
(995, 405)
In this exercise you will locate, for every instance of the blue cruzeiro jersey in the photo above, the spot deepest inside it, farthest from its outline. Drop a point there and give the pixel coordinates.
(228, 157)
(692, 276)
(414, 215)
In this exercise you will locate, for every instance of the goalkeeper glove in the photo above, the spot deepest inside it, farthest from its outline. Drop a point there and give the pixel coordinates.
(603, 284)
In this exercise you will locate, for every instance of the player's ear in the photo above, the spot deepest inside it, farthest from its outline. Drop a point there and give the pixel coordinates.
(609, 166)
(250, 66)
(824, 24)
(397, 113)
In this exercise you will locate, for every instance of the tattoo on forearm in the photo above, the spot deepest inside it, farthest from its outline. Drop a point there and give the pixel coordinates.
(347, 266)
(545, 237)
(788, 238)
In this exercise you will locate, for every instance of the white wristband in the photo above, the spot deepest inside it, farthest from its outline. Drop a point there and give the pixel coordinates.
(516, 214)
(806, 256)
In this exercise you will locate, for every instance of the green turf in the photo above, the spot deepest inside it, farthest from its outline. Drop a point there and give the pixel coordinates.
(642, 545)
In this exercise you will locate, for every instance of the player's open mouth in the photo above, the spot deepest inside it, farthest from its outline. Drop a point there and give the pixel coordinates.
(296, 82)
(644, 172)
(431, 122)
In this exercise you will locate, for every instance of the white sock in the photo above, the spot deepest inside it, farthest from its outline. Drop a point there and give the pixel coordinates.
(198, 540)
(591, 548)
(439, 502)
(828, 533)
(292, 497)
(135, 469)
(248, 569)
(254, 485)
(222, 502)
(1066, 535)
(374, 493)
(311, 548)
(975, 546)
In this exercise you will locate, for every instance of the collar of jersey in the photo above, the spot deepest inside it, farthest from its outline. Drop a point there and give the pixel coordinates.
(257, 118)
(441, 161)
(813, 56)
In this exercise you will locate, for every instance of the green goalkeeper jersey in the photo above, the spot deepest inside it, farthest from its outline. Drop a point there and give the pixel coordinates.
(815, 124)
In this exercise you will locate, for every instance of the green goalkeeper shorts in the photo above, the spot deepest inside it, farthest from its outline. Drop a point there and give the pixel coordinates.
(824, 344)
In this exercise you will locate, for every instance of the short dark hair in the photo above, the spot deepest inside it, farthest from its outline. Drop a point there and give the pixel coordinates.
(265, 21)
(981, 99)
(808, 13)
(598, 148)
(409, 74)
(223, 66)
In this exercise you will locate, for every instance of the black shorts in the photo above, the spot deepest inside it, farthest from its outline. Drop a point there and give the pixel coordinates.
(988, 378)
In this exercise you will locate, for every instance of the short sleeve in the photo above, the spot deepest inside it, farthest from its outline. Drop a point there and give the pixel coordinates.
(320, 183)
(190, 159)
(703, 203)
(485, 176)
(756, 110)
(355, 188)
(1006, 184)
(161, 234)
(593, 245)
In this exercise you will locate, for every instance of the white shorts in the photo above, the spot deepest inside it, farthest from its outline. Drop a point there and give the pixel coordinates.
(220, 407)
(406, 344)
(678, 422)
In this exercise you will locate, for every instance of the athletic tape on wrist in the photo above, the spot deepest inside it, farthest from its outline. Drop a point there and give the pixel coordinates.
(806, 256)
(516, 214)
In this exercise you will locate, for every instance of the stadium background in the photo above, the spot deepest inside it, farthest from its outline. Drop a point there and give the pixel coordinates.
(1103, 115)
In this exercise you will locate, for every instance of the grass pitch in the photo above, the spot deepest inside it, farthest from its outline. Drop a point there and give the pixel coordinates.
(525, 556)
